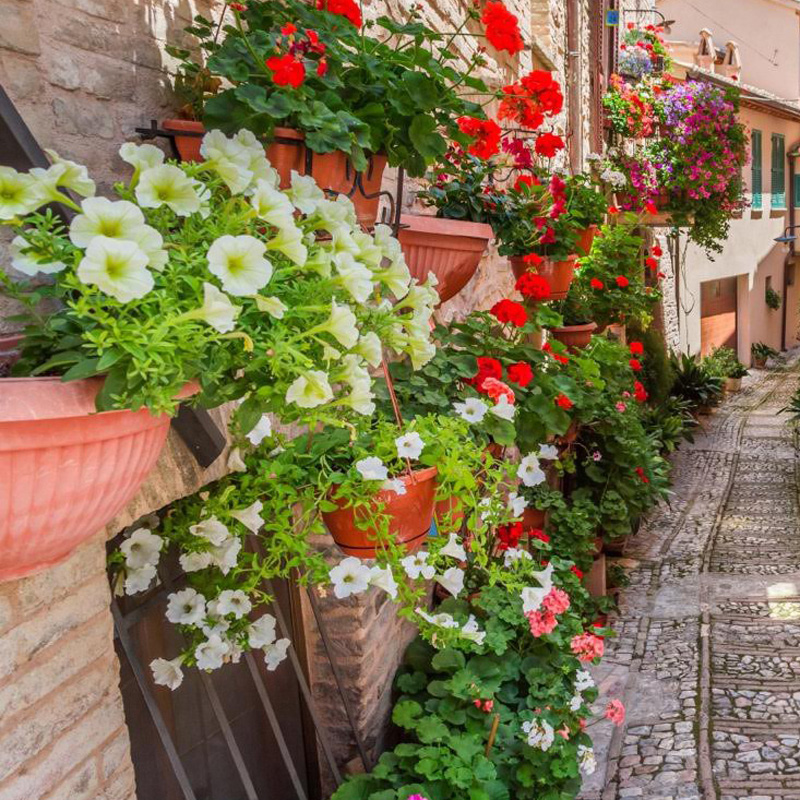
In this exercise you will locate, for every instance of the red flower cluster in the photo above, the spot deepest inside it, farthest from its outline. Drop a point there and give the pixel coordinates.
(548, 144)
(484, 705)
(622, 282)
(535, 533)
(520, 373)
(510, 311)
(562, 401)
(502, 27)
(525, 180)
(642, 476)
(343, 8)
(635, 365)
(557, 601)
(486, 133)
(509, 535)
(548, 348)
(636, 348)
(639, 392)
(533, 286)
(578, 573)
(287, 70)
(527, 102)
(487, 368)
(521, 153)
(541, 622)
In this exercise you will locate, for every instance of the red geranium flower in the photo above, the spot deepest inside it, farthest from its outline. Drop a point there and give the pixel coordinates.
(642, 476)
(613, 210)
(532, 258)
(322, 67)
(486, 133)
(636, 348)
(578, 573)
(651, 263)
(497, 389)
(509, 535)
(548, 237)
(635, 364)
(343, 8)
(562, 401)
(286, 70)
(535, 533)
(651, 208)
(525, 180)
(532, 285)
(657, 251)
(520, 373)
(596, 283)
(622, 281)
(548, 144)
(510, 311)
(288, 29)
(239, 7)
(639, 392)
(502, 28)
(487, 368)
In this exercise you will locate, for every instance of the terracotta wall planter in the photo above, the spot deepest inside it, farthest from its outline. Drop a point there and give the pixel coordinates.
(411, 515)
(558, 274)
(584, 243)
(65, 470)
(287, 152)
(575, 337)
(450, 249)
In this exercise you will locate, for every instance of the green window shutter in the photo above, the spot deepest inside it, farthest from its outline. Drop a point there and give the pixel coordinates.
(756, 180)
(778, 188)
(796, 190)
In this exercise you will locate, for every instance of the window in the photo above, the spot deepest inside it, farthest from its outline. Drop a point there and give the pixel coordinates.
(796, 195)
(755, 177)
(778, 172)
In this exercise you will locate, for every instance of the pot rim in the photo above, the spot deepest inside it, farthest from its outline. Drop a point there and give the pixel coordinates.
(586, 326)
(570, 259)
(427, 223)
(178, 124)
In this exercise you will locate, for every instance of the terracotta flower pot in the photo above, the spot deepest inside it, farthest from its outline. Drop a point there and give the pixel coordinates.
(733, 385)
(533, 519)
(188, 137)
(558, 274)
(451, 509)
(584, 243)
(65, 470)
(575, 337)
(411, 514)
(287, 152)
(449, 248)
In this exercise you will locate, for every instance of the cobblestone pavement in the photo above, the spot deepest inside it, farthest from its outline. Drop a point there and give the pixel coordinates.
(707, 652)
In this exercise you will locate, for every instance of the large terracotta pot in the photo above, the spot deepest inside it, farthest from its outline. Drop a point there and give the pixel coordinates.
(287, 152)
(533, 519)
(732, 385)
(188, 137)
(575, 337)
(65, 470)
(411, 514)
(584, 243)
(449, 248)
(558, 274)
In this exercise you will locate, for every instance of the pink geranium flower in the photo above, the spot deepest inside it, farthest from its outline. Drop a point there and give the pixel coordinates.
(615, 711)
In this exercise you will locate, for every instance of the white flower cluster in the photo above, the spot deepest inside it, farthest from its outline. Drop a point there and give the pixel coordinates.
(409, 446)
(530, 471)
(473, 409)
(539, 733)
(469, 630)
(583, 681)
(614, 178)
(532, 596)
(141, 550)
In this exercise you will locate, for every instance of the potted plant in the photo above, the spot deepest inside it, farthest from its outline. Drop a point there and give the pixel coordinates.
(577, 325)
(772, 298)
(150, 295)
(587, 206)
(349, 95)
(760, 353)
(723, 363)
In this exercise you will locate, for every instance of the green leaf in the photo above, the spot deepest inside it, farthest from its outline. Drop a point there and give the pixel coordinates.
(83, 369)
(58, 360)
(431, 729)
(448, 660)
(405, 714)
(429, 143)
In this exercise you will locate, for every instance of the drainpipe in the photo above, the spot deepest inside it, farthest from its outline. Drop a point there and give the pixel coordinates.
(793, 154)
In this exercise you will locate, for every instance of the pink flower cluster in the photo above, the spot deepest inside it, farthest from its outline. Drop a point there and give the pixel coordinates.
(543, 620)
(587, 646)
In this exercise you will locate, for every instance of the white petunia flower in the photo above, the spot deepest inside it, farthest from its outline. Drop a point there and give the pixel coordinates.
(361, 399)
(532, 597)
(239, 262)
(350, 576)
(141, 156)
(514, 554)
(310, 390)
(472, 631)
(397, 278)
(548, 452)
(409, 445)
(441, 620)
(235, 461)
(354, 277)
(342, 325)
(272, 305)
(119, 219)
(211, 653)
(167, 673)
(167, 185)
(211, 529)
(289, 241)
(226, 555)
(372, 469)
(452, 580)
(19, 194)
(472, 409)
(416, 566)
(383, 578)
(396, 485)
(262, 632)
(233, 601)
(273, 206)
(186, 607)
(262, 430)
(539, 734)
(141, 548)
(194, 562)
(369, 346)
(250, 517)
(138, 580)
(27, 262)
(117, 267)
(275, 653)
(217, 310)
(587, 762)
(304, 193)
(503, 409)
(69, 175)
(388, 243)
(517, 504)
(228, 158)
(454, 548)
(529, 471)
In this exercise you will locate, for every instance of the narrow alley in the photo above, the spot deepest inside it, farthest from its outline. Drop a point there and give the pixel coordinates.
(708, 651)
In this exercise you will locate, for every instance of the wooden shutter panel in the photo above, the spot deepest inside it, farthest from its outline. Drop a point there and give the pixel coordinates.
(756, 178)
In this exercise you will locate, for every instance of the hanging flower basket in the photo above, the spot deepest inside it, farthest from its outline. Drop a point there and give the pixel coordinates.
(558, 274)
(449, 248)
(287, 152)
(411, 515)
(65, 470)
(575, 337)
(584, 243)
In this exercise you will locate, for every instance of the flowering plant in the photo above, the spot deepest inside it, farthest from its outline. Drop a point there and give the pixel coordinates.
(208, 272)
(632, 110)
(642, 51)
(350, 85)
